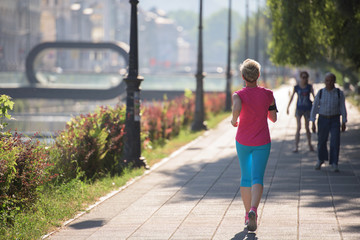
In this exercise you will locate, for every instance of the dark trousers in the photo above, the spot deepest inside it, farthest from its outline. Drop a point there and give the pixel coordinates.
(326, 126)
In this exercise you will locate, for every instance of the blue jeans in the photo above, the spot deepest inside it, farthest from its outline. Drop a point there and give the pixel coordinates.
(326, 126)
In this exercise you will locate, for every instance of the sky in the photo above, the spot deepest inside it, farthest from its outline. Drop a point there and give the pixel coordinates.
(209, 6)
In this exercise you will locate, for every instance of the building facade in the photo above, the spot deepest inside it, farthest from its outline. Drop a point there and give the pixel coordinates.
(19, 32)
(26, 23)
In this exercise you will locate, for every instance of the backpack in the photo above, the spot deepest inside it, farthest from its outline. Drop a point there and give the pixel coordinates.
(338, 93)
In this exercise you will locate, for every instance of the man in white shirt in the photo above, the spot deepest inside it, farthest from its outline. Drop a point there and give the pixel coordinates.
(329, 103)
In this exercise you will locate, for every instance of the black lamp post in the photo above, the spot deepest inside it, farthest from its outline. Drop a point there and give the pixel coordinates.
(228, 68)
(132, 147)
(198, 123)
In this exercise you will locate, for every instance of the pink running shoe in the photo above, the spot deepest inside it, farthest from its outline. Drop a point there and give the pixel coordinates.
(252, 224)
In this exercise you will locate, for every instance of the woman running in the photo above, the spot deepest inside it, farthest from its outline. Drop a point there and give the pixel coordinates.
(252, 105)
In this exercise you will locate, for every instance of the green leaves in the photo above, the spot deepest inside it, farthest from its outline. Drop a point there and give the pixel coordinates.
(5, 105)
(23, 169)
(306, 32)
(293, 40)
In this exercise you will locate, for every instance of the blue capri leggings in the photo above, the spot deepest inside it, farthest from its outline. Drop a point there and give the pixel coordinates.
(253, 160)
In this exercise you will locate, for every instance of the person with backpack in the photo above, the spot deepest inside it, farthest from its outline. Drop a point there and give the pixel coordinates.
(329, 103)
(303, 108)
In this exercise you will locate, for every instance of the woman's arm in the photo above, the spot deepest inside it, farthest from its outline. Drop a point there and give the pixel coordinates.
(291, 98)
(312, 92)
(236, 109)
(272, 115)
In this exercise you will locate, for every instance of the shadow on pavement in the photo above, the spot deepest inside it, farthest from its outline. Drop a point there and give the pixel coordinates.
(289, 176)
(352, 229)
(287, 172)
(245, 235)
(203, 179)
(88, 224)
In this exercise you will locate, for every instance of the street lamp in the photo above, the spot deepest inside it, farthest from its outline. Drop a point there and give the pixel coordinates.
(228, 68)
(198, 123)
(132, 146)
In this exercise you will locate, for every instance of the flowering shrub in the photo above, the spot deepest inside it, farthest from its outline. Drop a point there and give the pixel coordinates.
(91, 145)
(163, 120)
(214, 103)
(23, 168)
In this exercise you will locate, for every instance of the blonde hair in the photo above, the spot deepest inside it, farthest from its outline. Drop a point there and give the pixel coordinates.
(250, 69)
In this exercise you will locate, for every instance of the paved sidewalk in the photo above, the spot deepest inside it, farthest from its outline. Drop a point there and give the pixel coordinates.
(195, 195)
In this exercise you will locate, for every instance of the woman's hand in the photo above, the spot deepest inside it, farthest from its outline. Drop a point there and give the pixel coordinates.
(234, 123)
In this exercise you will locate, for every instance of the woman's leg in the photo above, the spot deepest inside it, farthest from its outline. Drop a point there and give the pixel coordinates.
(245, 160)
(260, 159)
(246, 197)
(308, 133)
(297, 134)
(256, 193)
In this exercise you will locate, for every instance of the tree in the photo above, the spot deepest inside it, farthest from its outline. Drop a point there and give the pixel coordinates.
(321, 33)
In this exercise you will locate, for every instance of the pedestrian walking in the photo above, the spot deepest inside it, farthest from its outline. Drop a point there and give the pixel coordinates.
(303, 108)
(252, 105)
(329, 103)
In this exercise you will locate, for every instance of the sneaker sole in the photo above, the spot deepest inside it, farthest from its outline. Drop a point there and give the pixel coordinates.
(252, 222)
